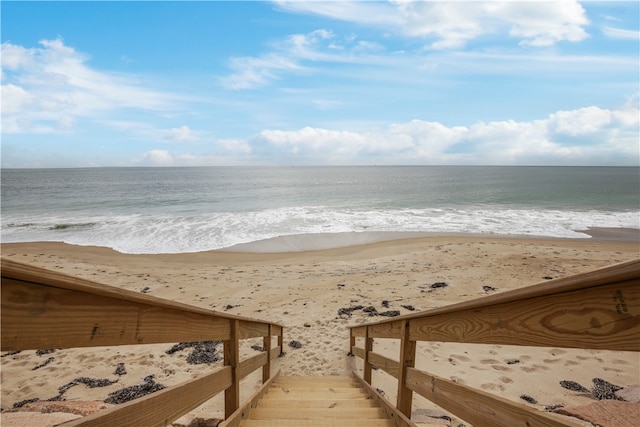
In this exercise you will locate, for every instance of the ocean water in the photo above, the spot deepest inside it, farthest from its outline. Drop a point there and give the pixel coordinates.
(171, 210)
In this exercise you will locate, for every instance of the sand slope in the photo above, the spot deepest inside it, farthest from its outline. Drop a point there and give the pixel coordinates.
(304, 291)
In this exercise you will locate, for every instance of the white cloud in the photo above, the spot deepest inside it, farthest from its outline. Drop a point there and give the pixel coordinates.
(250, 72)
(181, 134)
(156, 158)
(50, 87)
(454, 23)
(619, 33)
(580, 122)
(589, 135)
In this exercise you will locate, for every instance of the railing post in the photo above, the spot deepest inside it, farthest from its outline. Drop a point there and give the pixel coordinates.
(266, 346)
(368, 346)
(232, 358)
(407, 360)
(280, 340)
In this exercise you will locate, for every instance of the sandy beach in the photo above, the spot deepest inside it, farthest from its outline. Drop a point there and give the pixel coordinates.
(304, 290)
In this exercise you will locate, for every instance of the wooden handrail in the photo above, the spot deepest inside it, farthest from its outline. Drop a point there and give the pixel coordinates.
(594, 310)
(41, 308)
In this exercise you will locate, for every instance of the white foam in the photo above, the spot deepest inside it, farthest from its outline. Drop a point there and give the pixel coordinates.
(173, 234)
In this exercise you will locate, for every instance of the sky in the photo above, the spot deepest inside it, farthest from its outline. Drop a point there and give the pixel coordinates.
(288, 83)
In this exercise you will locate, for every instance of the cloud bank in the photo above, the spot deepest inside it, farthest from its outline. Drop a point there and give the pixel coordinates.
(586, 136)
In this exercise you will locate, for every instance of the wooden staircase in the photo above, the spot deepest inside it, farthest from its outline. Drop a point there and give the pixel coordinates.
(316, 401)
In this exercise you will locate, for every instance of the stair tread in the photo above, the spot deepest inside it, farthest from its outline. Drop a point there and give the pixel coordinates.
(316, 423)
(313, 413)
(316, 403)
(308, 401)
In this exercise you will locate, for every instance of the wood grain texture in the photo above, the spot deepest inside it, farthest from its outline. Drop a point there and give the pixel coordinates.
(232, 359)
(478, 407)
(38, 316)
(253, 329)
(251, 364)
(407, 360)
(391, 367)
(37, 275)
(358, 351)
(604, 317)
(391, 329)
(162, 407)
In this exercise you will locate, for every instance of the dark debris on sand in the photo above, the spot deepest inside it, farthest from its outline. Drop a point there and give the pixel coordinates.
(295, 344)
(601, 390)
(24, 402)
(127, 394)
(528, 398)
(120, 369)
(43, 364)
(203, 351)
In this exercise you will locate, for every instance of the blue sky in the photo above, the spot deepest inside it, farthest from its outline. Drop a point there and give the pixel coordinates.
(319, 83)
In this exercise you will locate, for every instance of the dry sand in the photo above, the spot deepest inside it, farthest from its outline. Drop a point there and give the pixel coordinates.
(304, 291)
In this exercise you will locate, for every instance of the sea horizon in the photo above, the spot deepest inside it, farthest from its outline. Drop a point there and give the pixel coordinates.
(193, 209)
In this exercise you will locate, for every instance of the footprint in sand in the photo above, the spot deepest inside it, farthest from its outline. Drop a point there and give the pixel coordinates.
(489, 361)
(492, 387)
(506, 380)
(459, 357)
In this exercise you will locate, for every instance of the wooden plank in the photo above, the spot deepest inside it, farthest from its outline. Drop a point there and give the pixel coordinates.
(242, 412)
(391, 367)
(232, 359)
(398, 418)
(317, 403)
(335, 412)
(84, 319)
(275, 352)
(162, 407)
(358, 351)
(368, 347)
(248, 366)
(358, 331)
(478, 407)
(266, 345)
(407, 360)
(604, 317)
(29, 273)
(392, 329)
(276, 330)
(321, 422)
(253, 329)
(287, 394)
(617, 273)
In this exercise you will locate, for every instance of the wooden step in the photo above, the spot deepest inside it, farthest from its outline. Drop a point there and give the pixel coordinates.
(343, 413)
(316, 403)
(315, 394)
(317, 423)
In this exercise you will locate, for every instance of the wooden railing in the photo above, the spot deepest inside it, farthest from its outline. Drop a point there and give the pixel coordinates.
(46, 309)
(594, 310)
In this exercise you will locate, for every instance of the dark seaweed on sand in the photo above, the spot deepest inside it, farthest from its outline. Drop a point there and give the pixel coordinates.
(203, 351)
(135, 391)
(602, 389)
(24, 402)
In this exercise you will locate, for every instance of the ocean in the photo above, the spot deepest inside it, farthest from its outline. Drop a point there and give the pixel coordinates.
(172, 210)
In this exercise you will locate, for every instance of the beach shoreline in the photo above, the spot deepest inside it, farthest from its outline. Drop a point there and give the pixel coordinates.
(304, 290)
